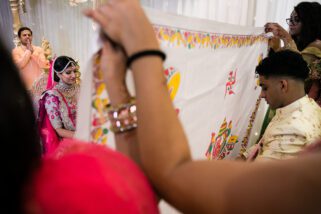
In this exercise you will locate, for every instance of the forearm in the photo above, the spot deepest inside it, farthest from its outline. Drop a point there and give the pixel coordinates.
(64, 133)
(163, 144)
(126, 142)
(23, 60)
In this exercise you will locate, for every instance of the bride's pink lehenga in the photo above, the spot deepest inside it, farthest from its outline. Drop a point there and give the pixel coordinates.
(53, 100)
(49, 138)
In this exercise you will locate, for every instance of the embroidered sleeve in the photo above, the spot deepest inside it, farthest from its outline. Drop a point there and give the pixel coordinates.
(52, 108)
(286, 145)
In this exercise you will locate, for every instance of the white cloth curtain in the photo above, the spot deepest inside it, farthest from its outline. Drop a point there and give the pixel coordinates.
(239, 12)
(6, 24)
(275, 11)
(70, 33)
(65, 27)
(228, 11)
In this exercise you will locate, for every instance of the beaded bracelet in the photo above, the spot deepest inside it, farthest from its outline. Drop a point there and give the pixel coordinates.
(123, 117)
(140, 54)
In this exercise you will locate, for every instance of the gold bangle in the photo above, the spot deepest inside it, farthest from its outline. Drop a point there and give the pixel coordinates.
(123, 117)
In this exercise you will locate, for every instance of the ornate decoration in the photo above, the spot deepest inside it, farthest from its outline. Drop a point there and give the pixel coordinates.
(74, 3)
(69, 92)
(22, 4)
(222, 144)
(14, 5)
(96, 3)
(249, 127)
(46, 48)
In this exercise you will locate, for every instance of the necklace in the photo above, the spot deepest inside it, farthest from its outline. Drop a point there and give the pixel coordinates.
(70, 92)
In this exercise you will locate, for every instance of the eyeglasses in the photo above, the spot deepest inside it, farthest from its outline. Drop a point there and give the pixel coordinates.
(293, 21)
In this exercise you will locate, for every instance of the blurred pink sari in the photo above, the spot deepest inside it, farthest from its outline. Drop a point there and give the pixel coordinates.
(49, 138)
(89, 178)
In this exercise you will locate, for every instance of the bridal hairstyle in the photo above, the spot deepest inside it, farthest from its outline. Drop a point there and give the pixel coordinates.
(60, 64)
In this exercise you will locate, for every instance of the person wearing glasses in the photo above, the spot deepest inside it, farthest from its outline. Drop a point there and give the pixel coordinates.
(304, 36)
(58, 105)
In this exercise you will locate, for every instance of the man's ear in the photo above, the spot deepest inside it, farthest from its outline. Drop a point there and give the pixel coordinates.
(284, 85)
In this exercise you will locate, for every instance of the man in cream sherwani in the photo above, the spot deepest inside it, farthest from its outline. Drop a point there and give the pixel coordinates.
(297, 122)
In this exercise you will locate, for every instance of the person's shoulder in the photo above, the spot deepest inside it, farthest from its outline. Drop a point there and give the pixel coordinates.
(309, 114)
(310, 104)
(16, 49)
(50, 92)
(315, 44)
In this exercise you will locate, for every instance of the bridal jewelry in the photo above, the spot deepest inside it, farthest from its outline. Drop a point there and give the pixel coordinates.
(70, 92)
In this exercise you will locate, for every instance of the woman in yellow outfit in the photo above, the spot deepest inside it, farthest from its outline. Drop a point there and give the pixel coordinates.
(304, 36)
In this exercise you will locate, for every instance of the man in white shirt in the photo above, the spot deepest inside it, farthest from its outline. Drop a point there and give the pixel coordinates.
(297, 122)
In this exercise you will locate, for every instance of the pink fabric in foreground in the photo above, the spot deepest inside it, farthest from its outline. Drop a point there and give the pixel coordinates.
(89, 178)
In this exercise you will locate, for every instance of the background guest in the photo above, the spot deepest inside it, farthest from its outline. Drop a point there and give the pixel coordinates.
(305, 36)
(29, 58)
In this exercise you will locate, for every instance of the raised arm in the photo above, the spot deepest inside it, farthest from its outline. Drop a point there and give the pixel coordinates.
(279, 33)
(158, 125)
(114, 68)
(21, 58)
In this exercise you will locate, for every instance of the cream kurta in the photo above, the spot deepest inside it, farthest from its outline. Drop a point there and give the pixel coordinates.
(30, 65)
(291, 129)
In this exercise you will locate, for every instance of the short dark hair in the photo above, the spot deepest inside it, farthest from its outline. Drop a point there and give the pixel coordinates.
(60, 63)
(22, 29)
(18, 131)
(284, 63)
(309, 14)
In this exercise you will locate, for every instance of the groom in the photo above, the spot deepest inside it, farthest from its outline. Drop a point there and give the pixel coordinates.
(297, 122)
